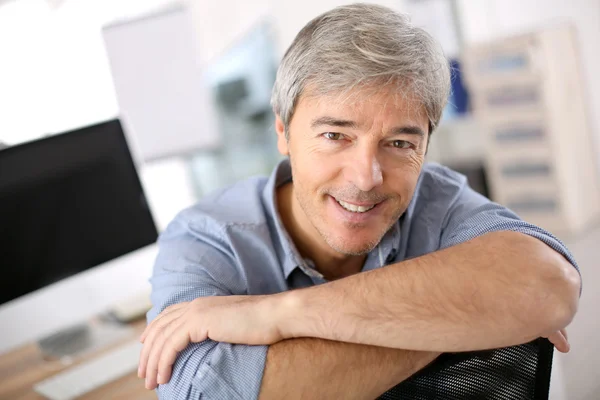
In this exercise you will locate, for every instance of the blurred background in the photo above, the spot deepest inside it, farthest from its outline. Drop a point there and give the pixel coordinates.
(191, 83)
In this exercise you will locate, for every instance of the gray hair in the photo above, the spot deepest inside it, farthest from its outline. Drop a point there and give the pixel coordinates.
(360, 44)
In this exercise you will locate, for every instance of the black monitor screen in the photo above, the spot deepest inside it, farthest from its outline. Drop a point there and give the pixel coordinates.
(68, 202)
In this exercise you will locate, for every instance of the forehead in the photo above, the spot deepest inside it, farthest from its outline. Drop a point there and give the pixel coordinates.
(366, 103)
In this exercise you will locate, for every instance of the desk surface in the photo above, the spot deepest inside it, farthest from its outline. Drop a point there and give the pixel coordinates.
(23, 367)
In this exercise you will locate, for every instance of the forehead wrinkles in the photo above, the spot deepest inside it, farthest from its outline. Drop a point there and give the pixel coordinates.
(383, 98)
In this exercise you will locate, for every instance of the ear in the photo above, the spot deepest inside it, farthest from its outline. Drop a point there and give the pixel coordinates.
(282, 141)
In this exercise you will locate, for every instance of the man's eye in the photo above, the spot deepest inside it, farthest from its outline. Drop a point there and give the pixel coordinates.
(401, 144)
(332, 135)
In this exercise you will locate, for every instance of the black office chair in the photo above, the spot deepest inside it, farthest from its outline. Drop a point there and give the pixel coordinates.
(511, 373)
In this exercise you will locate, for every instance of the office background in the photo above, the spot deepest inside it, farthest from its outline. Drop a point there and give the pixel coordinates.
(63, 65)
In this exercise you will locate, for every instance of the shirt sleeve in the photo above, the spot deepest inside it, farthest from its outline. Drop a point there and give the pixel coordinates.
(191, 265)
(472, 215)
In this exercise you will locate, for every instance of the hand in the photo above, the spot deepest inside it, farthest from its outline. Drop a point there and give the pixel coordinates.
(560, 341)
(234, 319)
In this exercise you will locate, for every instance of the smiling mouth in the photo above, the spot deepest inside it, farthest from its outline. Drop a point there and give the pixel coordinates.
(354, 208)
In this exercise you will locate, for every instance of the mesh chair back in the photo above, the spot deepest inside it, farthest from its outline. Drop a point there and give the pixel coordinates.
(511, 373)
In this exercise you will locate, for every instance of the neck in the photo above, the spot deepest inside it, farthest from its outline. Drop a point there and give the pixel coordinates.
(310, 244)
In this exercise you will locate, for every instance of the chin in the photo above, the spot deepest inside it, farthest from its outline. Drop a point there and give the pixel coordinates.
(351, 245)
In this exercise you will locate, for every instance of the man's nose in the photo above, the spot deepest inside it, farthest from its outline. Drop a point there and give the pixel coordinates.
(364, 170)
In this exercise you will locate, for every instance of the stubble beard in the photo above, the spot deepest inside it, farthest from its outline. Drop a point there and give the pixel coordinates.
(336, 243)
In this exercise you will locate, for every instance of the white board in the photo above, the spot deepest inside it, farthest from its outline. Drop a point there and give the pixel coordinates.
(163, 101)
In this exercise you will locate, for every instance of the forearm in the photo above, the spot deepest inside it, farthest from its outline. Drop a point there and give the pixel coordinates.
(309, 368)
(497, 290)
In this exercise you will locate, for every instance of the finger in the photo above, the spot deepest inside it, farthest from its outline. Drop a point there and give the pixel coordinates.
(144, 354)
(153, 323)
(154, 355)
(167, 311)
(161, 320)
(177, 339)
(150, 337)
(152, 367)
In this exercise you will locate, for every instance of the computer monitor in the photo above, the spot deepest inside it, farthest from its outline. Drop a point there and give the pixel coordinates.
(69, 202)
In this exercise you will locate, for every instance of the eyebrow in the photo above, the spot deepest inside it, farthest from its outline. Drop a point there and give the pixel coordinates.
(410, 129)
(330, 121)
(344, 123)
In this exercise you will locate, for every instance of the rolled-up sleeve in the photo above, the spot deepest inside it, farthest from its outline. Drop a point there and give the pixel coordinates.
(473, 215)
(189, 266)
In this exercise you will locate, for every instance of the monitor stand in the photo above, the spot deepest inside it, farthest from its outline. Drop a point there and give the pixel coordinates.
(77, 340)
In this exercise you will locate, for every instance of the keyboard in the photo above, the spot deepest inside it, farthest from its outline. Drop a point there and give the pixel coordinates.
(92, 374)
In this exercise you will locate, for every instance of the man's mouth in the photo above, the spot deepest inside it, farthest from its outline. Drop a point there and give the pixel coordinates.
(355, 208)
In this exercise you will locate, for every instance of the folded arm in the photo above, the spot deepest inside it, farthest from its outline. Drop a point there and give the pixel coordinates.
(294, 369)
(185, 273)
(496, 290)
(309, 368)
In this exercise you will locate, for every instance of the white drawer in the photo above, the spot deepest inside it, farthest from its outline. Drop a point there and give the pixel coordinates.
(511, 97)
(506, 157)
(521, 55)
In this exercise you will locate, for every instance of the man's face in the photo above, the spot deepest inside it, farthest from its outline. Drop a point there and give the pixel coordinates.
(355, 165)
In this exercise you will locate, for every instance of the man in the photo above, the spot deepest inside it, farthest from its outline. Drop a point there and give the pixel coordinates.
(355, 264)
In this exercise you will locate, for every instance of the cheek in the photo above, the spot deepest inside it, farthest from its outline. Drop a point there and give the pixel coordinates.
(313, 169)
(402, 179)
(308, 176)
(415, 163)
(405, 168)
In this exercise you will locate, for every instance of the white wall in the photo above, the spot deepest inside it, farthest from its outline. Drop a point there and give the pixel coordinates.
(221, 23)
(52, 75)
(580, 366)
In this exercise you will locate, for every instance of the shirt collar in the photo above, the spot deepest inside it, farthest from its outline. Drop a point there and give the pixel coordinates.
(289, 257)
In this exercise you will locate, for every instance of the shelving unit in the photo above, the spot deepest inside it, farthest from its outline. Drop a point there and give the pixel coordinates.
(528, 95)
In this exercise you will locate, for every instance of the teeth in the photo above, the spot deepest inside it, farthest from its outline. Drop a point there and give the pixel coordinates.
(353, 208)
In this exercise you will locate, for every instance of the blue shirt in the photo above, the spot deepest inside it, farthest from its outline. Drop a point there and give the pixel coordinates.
(233, 243)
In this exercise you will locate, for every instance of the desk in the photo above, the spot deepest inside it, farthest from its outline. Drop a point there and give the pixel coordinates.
(23, 367)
